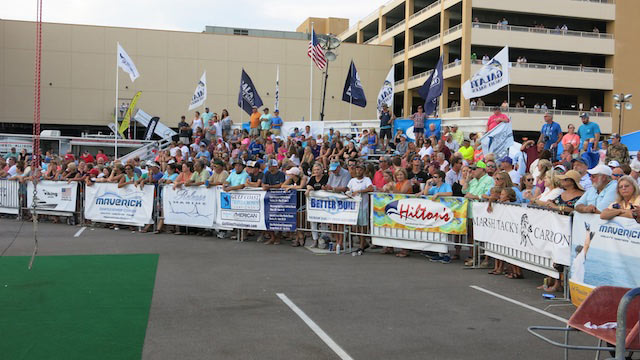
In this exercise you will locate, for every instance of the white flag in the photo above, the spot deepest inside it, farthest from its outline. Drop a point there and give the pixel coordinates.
(385, 96)
(125, 62)
(277, 104)
(491, 77)
(200, 95)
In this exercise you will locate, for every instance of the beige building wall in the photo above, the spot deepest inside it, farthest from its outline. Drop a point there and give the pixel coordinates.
(79, 67)
(324, 25)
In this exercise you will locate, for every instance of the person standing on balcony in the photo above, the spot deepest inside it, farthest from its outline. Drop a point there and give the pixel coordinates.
(588, 131)
(418, 122)
(497, 118)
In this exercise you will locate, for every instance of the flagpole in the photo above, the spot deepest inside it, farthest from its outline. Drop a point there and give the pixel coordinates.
(311, 80)
(115, 132)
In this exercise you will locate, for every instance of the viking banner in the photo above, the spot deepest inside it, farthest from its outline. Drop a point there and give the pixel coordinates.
(129, 205)
(53, 195)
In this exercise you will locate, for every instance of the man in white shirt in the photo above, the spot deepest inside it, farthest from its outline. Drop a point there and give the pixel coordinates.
(13, 169)
(506, 164)
(454, 175)
(360, 185)
(184, 149)
(451, 144)
(173, 149)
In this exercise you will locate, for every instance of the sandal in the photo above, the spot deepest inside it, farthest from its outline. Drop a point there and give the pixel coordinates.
(402, 255)
(514, 276)
(295, 243)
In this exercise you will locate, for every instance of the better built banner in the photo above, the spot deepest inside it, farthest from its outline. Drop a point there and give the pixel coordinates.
(603, 252)
(257, 209)
(129, 205)
(333, 208)
(53, 195)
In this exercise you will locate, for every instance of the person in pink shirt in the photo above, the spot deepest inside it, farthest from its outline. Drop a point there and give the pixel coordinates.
(497, 118)
(571, 138)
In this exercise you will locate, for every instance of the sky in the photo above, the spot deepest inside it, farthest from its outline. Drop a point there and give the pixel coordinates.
(188, 15)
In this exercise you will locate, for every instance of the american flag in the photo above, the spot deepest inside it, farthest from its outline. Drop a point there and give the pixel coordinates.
(315, 52)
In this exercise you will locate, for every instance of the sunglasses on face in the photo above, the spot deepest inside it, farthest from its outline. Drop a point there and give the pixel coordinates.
(618, 175)
(491, 166)
(528, 179)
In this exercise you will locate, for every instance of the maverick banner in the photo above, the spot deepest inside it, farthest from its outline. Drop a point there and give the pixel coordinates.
(332, 208)
(531, 231)
(53, 195)
(422, 220)
(257, 209)
(129, 205)
(603, 252)
(189, 206)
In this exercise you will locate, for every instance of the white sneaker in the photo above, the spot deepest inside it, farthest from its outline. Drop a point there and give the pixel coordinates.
(260, 238)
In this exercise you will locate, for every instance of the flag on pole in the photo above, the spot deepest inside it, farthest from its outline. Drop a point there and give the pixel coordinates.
(248, 96)
(491, 77)
(432, 89)
(315, 52)
(385, 96)
(353, 92)
(276, 106)
(126, 64)
(200, 95)
(127, 116)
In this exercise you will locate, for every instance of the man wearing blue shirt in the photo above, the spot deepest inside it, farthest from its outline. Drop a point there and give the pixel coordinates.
(588, 131)
(601, 194)
(551, 133)
(237, 178)
(276, 123)
(256, 147)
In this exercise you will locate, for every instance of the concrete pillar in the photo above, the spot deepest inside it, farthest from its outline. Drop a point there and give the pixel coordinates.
(359, 34)
(444, 51)
(408, 64)
(465, 54)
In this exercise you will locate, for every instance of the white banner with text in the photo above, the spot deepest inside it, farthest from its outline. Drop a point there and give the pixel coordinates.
(129, 205)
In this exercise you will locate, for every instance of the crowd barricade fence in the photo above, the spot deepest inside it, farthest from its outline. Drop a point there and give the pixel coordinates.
(9, 197)
(56, 198)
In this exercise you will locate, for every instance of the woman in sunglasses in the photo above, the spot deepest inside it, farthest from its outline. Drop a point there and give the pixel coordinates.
(130, 177)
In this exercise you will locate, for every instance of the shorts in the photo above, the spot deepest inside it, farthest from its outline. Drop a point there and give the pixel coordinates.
(275, 132)
(184, 139)
(385, 133)
(418, 130)
(254, 132)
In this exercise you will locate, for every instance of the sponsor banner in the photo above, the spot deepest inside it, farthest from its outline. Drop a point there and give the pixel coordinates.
(406, 126)
(159, 128)
(333, 208)
(129, 205)
(498, 141)
(603, 252)
(257, 209)
(8, 142)
(189, 206)
(353, 91)
(385, 96)
(200, 94)
(490, 78)
(126, 64)
(53, 195)
(530, 231)
(445, 215)
(9, 199)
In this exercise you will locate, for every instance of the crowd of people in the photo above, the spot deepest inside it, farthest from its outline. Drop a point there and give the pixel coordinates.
(588, 175)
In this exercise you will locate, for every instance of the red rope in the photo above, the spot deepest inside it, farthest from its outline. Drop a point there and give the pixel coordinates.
(36, 156)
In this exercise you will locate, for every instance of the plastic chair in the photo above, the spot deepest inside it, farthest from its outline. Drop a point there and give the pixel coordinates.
(604, 304)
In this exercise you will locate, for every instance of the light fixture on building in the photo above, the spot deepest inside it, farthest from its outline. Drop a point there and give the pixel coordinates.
(623, 102)
(329, 44)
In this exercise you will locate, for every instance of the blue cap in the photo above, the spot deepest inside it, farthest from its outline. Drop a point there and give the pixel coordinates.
(333, 166)
(507, 160)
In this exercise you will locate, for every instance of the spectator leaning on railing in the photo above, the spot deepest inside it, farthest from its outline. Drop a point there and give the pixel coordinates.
(601, 194)
(627, 199)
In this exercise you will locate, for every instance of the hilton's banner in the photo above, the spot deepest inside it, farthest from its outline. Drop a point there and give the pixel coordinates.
(421, 222)
(332, 208)
(189, 206)
(257, 209)
(603, 252)
(128, 205)
(53, 195)
(530, 231)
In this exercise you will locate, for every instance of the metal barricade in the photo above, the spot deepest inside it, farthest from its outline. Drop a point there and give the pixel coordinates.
(9, 197)
(320, 231)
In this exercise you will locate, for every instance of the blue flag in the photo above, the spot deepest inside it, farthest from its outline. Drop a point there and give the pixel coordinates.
(248, 96)
(353, 92)
(432, 89)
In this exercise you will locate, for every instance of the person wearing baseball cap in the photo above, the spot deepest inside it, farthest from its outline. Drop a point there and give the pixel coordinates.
(601, 194)
(506, 164)
(477, 182)
(238, 177)
(219, 174)
(588, 131)
(635, 171)
(617, 151)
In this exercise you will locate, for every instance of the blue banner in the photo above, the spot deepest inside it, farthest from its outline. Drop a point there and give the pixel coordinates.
(280, 207)
(248, 96)
(353, 92)
(406, 125)
(432, 89)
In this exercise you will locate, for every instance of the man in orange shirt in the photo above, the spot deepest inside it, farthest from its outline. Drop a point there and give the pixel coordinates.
(254, 122)
(497, 118)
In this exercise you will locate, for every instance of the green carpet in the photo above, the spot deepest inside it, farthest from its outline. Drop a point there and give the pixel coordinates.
(75, 307)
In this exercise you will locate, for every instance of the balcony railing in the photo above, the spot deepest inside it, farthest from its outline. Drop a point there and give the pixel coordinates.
(542, 111)
(422, 11)
(398, 53)
(585, 69)
(371, 40)
(451, 109)
(543, 31)
(600, 1)
(452, 29)
(450, 65)
(421, 75)
(423, 42)
(393, 27)
(398, 83)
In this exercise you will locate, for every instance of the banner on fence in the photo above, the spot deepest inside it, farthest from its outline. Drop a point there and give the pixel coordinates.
(419, 222)
(333, 208)
(129, 205)
(53, 195)
(9, 199)
(531, 231)
(189, 206)
(257, 209)
(603, 252)
(445, 215)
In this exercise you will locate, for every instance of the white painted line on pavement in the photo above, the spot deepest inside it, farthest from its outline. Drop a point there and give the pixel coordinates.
(315, 328)
(80, 231)
(526, 306)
